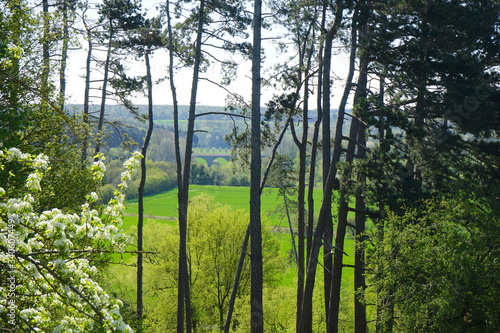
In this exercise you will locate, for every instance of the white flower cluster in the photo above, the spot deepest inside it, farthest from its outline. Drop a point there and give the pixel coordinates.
(130, 166)
(50, 255)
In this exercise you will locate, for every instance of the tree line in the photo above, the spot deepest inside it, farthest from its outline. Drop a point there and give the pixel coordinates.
(416, 157)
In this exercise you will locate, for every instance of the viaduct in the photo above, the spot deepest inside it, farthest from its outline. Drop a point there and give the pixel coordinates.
(210, 158)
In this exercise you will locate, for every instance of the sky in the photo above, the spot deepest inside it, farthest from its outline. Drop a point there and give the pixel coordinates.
(208, 94)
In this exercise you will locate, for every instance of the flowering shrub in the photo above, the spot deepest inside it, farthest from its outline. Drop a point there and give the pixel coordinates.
(49, 260)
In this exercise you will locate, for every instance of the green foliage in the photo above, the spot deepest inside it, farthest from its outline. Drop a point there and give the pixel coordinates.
(435, 268)
(16, 61)
(442, 91)
(215, 236)
(49, 259)
(228, 18)
(124, 14)
(30, 121)
(160, 178)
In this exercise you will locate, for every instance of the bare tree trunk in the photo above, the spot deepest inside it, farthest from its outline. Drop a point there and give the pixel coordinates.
(312, 181)
(301, 191)
(326, 150)
(310, 200)
(104, 92)
(360, 324)
(140, 198)
(324, 226)
(86, 95)
(244, 246)
(184, 294)
(181, 279)
(177, 144)
(64, 55)
(312, 174)
(338, 254)
(86, 92)
(384, 307)
(227, 325)
(256, 315)
(326, 159)
(292, 235)
(45, 53)
(305, 323)
(315, 138)
(338, 250)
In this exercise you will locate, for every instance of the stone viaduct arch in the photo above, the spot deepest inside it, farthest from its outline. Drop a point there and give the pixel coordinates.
(210, 158)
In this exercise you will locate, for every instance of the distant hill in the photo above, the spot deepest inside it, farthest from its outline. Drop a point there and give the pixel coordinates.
(211, 129)
(166, 112)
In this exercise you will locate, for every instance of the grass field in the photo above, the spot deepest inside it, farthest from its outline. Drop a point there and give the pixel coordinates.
(165, 204)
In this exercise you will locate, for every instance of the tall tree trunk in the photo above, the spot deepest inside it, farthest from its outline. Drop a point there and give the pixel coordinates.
(338, 256)
(45, 53)
(290, 227)
(360, 324)
(177, 144)
(312, 169)
(326, 149)
(324, 222)
(140, 198)
(301, 209)
(244, 246)
(315, 138)
(301, 189)
(230, 309)
(64, 55)
(384, 307)
(256, 315)
(305, 322)
(338, 250)
(326, 156)
(104, 92)
(184, 294)
(181, 279)
(86, 95)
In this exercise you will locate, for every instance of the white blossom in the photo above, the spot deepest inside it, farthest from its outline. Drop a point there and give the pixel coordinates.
(98, 168)
(57, 232)
(28, 313)
(14, 154)
(94, 196)
(33, 181)
(41, 161)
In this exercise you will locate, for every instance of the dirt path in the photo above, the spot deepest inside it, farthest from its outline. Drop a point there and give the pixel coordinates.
(166, 218)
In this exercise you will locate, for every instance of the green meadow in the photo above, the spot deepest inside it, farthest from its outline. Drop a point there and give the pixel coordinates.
(163, 207)
(165, 204)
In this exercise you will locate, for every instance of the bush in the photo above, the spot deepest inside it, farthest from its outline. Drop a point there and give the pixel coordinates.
(215, 236)
(436, 268)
